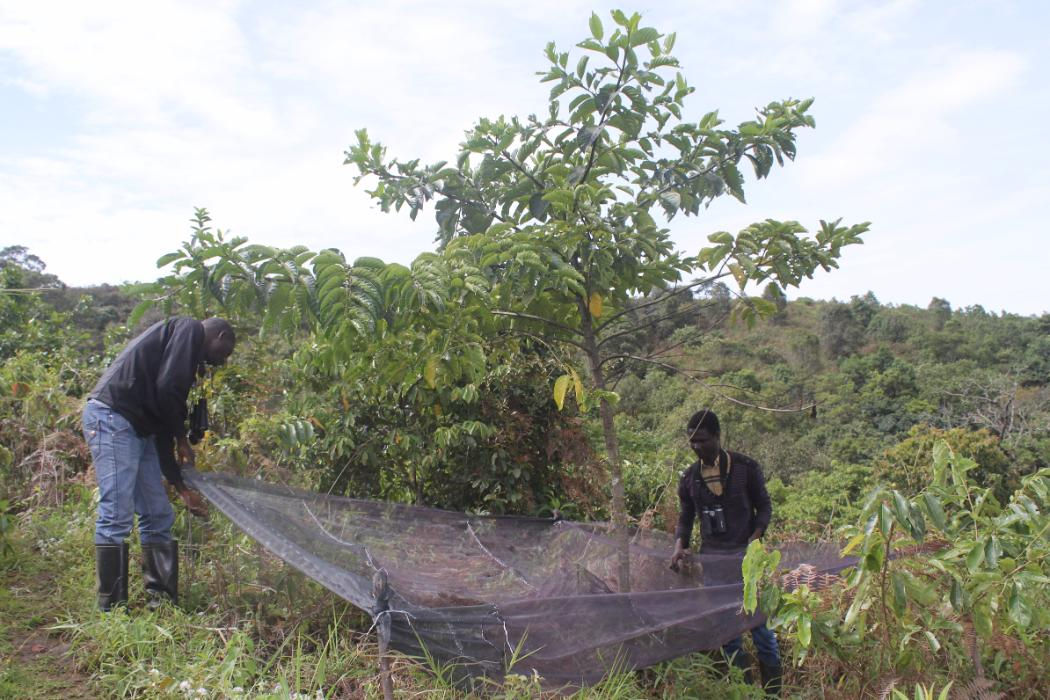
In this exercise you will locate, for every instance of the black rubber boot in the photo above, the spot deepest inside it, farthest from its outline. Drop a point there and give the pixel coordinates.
(111, 562)
(772, 679)
(160, 572)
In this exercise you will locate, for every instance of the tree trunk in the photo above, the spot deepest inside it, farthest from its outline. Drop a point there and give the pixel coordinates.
(612, 452)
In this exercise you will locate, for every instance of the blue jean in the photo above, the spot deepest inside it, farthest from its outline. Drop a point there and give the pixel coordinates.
(129, 479)
(766, 647)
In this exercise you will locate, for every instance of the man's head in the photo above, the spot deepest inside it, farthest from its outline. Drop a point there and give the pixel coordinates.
(218, 340)
(704, 433)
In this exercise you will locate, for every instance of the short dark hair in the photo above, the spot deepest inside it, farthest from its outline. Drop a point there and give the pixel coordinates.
(219, 325)
(704, 418)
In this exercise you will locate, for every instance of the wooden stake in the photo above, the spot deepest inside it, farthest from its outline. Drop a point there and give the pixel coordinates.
(381, 594)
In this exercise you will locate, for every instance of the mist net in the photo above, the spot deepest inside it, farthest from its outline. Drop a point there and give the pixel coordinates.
(488, 592)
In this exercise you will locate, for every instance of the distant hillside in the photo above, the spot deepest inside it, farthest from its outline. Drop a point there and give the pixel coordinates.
(860, 376)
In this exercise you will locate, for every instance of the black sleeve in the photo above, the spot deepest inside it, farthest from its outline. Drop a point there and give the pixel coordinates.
(177, 372)
(169, 466)
(686, 511)
(756, 490)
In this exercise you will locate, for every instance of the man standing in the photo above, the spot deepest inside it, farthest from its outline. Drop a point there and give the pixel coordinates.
(133, 417)
(727, 491)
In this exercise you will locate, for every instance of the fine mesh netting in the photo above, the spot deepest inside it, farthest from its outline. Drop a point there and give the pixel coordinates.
(481, 590)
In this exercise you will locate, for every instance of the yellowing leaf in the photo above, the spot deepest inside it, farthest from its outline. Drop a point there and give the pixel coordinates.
(581, 395)
(596, 304)
(430, 372)
(438, 411)
(853, 544)
(738, 274)
(561, 385)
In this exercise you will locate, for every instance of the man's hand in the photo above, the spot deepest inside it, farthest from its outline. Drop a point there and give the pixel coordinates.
(756, 535)
(184, 452)
(193, 500)
(678, 557)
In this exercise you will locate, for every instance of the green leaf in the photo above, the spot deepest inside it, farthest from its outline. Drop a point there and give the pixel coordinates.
(901, 510)
(875, 557)
(169, 258)
(672, 199)
(596, 27)
(644, 36)
(805, 629)
(917, 522)
(920, 592)
(885, 520)
(935, 511)
(1020, 610)
(975, 557)
(581, 68)
(538, 206)
(992, 551)
(140, 309)
(769, 599)
(561, 385)
(957, 597)
(941, 453)
(982, 620)
(588, 135)
(900, 596)
(561, 197)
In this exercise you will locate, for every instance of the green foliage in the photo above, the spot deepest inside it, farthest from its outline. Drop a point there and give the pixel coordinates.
(908, 465)
(27, 321)
(561, 213)
(816, 499)
(931, 567)
(40, 422)
(923, 692)
(758, 565)
(6, 526)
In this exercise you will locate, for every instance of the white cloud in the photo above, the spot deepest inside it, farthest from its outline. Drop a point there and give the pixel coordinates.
(913, 120)
(246, 109)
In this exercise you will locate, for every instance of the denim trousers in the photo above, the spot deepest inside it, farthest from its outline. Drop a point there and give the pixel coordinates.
(129, 479)
(766, 647)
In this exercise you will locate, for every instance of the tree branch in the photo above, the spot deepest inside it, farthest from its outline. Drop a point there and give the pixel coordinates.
(709, 386)
(659, 300)
(649, 324)
(541, 319)
(521, 169)
(601, 120)
(547, 344)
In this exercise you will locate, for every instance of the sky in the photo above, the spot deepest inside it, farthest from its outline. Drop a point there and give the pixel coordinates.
(118, 118)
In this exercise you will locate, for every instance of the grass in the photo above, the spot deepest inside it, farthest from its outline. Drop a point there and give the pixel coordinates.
(35, 659)
(248, 626)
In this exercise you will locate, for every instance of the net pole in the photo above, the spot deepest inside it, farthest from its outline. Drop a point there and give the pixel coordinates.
(381, 617)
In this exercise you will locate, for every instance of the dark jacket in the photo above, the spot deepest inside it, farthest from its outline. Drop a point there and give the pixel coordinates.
(744, 500)
(150, 381)
(151, 378)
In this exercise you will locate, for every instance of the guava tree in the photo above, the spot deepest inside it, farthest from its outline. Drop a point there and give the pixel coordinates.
(565, 213)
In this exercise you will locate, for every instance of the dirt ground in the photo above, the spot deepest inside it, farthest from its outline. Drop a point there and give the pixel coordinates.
(34, 659)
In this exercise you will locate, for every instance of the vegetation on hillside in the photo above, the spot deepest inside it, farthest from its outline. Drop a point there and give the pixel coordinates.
(545, 358)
